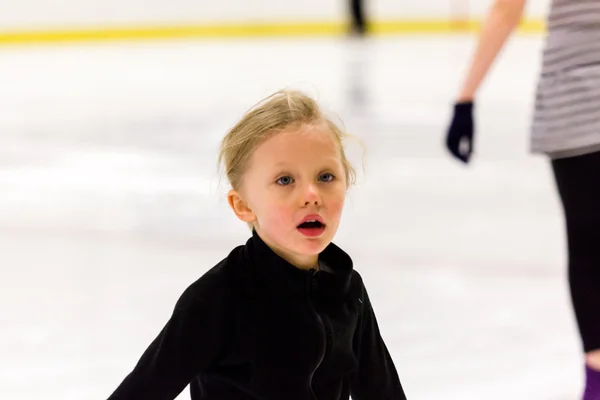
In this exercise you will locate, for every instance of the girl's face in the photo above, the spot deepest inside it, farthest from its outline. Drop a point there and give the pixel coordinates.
(294, 192)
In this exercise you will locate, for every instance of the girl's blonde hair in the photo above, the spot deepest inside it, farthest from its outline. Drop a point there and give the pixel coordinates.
(276, 113)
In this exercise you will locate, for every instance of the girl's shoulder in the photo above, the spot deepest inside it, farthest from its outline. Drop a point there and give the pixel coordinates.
(213, 286)
(357, 280)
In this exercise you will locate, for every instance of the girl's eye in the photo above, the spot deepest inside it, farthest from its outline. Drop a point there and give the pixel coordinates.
(285, 180)
(326, 177)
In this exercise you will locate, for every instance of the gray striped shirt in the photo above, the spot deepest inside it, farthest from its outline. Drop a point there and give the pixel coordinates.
(566, 119)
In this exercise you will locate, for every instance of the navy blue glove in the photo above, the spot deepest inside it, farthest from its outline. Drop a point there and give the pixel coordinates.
(460, 135)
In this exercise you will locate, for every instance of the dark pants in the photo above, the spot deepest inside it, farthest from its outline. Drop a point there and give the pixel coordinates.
(578, 182)
(357, 11)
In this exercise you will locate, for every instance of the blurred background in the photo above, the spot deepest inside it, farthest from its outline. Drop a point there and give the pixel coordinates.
(111, 202)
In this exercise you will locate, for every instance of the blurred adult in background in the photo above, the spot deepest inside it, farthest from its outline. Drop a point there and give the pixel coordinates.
(566, 128)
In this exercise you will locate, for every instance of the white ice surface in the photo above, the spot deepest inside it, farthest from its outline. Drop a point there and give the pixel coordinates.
(110, 205)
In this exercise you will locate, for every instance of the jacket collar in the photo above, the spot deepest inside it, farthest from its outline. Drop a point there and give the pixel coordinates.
(276, 274)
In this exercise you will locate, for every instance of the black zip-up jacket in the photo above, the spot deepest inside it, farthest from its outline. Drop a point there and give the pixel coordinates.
(255, 327)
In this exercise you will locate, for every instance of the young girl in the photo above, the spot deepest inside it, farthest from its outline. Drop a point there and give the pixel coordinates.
(566, 127)
(285, 316)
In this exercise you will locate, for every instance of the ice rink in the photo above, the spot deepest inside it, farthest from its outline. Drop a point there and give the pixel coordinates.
(111, 204)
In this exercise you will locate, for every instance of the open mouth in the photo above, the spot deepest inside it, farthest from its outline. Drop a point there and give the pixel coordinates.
(311, 225)
(311, 228)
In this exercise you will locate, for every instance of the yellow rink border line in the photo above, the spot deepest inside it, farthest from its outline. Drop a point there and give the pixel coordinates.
(292, 29)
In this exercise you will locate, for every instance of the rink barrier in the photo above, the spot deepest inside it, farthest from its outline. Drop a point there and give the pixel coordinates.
(308, 29)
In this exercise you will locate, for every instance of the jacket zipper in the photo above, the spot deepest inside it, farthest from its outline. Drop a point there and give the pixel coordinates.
(314, 285)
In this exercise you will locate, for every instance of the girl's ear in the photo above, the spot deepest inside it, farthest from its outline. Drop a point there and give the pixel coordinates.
(240, 207)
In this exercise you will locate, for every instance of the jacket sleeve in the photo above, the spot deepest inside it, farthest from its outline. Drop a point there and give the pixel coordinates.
(187, 345)
(376, 377)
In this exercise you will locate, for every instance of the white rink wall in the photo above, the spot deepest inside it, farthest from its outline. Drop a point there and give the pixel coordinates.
(48, 14)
